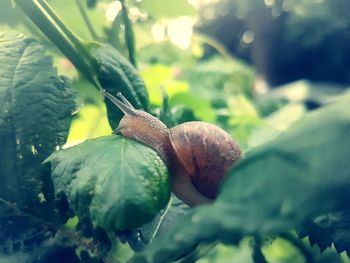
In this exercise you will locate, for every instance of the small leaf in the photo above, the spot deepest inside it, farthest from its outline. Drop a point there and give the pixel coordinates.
(35, 114)
(301, 174)
(118, 183)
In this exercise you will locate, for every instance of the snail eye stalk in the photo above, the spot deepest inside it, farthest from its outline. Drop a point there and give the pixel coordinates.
(126, 102)
(123, 106)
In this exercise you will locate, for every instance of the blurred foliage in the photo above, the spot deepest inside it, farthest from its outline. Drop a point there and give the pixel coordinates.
(285, 39)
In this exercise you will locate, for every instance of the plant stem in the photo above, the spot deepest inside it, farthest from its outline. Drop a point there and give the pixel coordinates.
(87, 20)
(214, 44)
(129, 33)
(299, 245)
(77, 42)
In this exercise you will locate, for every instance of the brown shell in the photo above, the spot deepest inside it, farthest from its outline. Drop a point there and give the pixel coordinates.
(206, 152)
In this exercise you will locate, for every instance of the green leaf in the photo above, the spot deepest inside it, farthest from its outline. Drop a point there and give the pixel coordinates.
(115, 73)
(35, 114)
(329, 229)
(118, 183)
(160, 9)
(301, 174)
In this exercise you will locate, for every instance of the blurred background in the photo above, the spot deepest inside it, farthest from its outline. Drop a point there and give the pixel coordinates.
(252, 67)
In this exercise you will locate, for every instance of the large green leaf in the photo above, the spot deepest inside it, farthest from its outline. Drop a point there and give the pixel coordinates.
(118, 183)
(35, 114)
(301, 174)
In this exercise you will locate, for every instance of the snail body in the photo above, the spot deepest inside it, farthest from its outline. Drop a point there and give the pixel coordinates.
(198, 154)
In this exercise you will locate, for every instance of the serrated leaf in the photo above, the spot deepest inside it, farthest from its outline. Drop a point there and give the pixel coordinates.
(116, 74)
(303, 173)
(118, 183)
(35, 114)
(328, 229)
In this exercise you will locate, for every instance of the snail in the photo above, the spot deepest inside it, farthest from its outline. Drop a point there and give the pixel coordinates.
(197, 154)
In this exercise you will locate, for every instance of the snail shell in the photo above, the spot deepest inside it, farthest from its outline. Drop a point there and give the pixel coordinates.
(206, 152)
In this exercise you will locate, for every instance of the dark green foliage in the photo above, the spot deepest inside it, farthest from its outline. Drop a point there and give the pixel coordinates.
(50, 251)
(35, 114)
(276, 187)
(118, 183)
(257, 254)
(329, 229)
(116, 74)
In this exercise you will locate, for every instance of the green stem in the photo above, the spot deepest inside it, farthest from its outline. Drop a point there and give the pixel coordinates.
(129, 33)
(77, 42)
(214, 44)
(87, 20)
(54, 29)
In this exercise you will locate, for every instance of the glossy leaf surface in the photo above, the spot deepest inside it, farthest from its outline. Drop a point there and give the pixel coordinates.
(118, 183)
